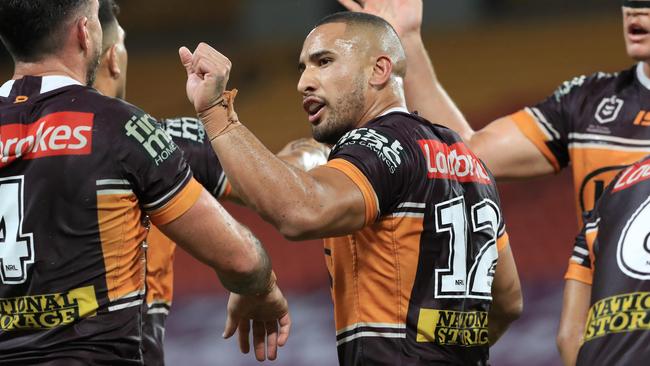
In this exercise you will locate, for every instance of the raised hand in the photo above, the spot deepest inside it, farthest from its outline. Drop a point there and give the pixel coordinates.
(404, 15)
(207, 75)
(270, 319)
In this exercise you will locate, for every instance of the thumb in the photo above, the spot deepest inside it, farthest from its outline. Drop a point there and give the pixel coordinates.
(186, 58)
(231, 326)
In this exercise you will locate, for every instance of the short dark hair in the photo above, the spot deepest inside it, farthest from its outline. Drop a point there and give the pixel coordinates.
(31, 29)
(356, 18)
(108, 12)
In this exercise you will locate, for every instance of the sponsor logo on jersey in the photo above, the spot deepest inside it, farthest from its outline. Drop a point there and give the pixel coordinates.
(633, 175)
(61, 133)
(608, 109)
(155, 140)
(620, 313)
(448, 327)
(47, 311)
(642, 119)
(388, 149)
(453, 162)
(187, 128)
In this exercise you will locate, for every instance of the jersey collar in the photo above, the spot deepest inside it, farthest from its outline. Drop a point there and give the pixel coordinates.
(49, 83)
(641, 76)
(396, 109)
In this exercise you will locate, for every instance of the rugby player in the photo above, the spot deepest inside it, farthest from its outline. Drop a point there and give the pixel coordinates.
(189, 135)
(608, 316)
(77, 172)
(600, 123)
(417, 252)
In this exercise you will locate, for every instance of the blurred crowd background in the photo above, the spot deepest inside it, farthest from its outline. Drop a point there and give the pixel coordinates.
(493, 57)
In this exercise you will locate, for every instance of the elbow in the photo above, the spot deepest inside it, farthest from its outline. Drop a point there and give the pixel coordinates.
(299, 225)
(510, 311)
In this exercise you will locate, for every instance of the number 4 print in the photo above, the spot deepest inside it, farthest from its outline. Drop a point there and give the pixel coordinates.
(456, 281)
(16, 247)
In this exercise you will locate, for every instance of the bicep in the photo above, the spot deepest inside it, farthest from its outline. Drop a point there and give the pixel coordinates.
(507, 152)
(340, 203)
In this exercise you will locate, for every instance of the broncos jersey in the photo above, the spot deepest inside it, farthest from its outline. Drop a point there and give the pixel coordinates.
(413, 287)
(189, 136)
(611, 254)
(77, 170)
(599, 123)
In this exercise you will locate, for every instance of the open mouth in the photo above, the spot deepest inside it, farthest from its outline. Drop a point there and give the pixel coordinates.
(637, 30)
(313, 106)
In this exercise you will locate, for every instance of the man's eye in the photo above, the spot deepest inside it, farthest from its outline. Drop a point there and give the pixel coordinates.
(324, 61)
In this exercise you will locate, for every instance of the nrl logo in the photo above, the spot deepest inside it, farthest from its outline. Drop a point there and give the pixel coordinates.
(608, 109)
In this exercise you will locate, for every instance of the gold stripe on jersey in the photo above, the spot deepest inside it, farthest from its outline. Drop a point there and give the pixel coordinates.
(602, 159)
(503, 241)
(373, 272)
(178, 205)
(48, 310)
(160, 269)
(577, 271)
(369, 195)
(122, 235)
(530, 127)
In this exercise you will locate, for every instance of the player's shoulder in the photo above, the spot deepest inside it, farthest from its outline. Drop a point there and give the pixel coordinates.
(596, 83)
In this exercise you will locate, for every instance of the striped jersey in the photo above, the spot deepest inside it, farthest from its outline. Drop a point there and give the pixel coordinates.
(413, 287)
(77, 171)
(598, 123)
(612, 254)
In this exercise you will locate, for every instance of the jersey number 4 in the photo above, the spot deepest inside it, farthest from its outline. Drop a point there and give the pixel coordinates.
(456, 281)
(16, 247)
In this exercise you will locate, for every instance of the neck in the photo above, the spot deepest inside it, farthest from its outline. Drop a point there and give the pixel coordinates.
(646, 68)
(50, 66)
(380, 105)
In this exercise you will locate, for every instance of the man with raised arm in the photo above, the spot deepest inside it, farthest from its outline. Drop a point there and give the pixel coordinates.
(417, 251)
(77, 172)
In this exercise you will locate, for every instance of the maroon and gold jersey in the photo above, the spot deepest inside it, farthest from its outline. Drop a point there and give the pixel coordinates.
(77, 171)
(190, 137)
(413, 287)
(600, 124)
(612, 254)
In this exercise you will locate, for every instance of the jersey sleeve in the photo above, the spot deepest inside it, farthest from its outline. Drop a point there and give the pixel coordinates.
(548, 123)
(376, 162)
(155, 168)
(190, 137)
(581, 263)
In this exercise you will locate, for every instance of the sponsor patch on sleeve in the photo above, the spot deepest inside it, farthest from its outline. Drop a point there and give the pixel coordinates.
(388, 149)
(146, 131)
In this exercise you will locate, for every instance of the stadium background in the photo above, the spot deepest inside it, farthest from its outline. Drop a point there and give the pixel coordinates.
(493, 57)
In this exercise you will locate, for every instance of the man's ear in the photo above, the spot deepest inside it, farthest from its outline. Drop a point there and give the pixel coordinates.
(381, 71)
(113, 62)
(83, 34)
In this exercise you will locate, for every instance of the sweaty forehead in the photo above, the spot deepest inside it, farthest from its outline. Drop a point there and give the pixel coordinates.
(332, 37)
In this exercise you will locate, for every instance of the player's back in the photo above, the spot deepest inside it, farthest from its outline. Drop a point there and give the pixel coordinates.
(617, 236)
(75, 170)
(414, 286)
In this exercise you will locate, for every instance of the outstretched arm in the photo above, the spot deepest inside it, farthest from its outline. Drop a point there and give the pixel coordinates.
(505, 150)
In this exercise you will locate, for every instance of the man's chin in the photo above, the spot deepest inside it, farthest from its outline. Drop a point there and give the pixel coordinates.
(639, 53)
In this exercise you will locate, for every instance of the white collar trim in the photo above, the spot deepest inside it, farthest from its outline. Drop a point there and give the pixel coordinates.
(643, 78)
(49, 83)
(402, 109)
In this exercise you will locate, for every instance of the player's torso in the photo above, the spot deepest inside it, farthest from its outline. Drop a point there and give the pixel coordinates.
(70, 231)
(418, 280)
(610, 130)
(618, 326)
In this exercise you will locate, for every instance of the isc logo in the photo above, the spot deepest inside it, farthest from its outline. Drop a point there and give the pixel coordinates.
(642, 119)
(155, 140)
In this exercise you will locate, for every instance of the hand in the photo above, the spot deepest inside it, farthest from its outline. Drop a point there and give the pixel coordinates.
(305, 153)
(267, 312)
(207, 75)
(404, 15)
